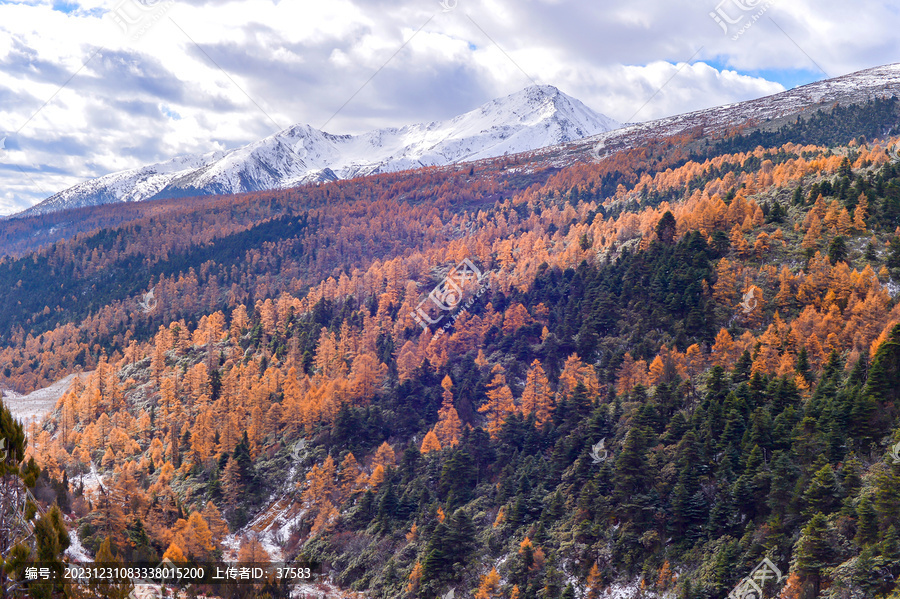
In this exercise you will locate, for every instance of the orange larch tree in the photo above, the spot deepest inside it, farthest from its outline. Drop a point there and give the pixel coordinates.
(430, 443)
(632, 372)
(500, 401)
(490, 586)
(366, 376)
(537, 396)
(449, 427)
(575, 371)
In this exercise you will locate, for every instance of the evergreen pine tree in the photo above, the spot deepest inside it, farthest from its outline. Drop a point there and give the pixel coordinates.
(813, 552)
(866, 522)
(742, 368)
(666, 228)
(823, 494)
(884, 376)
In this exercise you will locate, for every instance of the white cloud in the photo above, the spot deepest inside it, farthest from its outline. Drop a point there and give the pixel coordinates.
(265, 64)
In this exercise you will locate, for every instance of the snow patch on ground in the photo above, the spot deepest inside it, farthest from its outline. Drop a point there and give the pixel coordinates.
(92, 480)
(632, 590)
(34, 406)
(76, 551)
(624, 591)
(321, 590)
(892, 288)
(271, 527)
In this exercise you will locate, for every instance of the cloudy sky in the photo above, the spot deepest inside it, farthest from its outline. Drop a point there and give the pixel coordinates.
(91, 87)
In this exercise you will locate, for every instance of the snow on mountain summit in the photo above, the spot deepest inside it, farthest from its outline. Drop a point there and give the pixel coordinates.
(536, 117)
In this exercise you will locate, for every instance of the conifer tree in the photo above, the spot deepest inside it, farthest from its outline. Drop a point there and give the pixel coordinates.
(500, 402)
(490, 586)
(823, 493)
(631, 474)
(430, 443)
(867, 522)
(109, 587)
(449, 426)
(813, 552)
(666, 228)
(537, 397)
(884, 374)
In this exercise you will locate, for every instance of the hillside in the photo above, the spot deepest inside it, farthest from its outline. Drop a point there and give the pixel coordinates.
(643, 374)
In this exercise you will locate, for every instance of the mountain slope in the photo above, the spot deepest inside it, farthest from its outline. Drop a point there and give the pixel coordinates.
(765, 113)
(632, 425)
(607, 413)
(536, 117)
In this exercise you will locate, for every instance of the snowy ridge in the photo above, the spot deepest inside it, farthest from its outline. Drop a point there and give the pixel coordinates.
(125, 186)
(536, 117)
(858, 87)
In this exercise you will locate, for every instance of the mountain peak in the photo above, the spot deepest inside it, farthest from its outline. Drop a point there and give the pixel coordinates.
(534, 96)
(549, 91)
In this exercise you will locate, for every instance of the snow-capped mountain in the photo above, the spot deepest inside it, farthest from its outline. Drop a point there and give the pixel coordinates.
(533, 118)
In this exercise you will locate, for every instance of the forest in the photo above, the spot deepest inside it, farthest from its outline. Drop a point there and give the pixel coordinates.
(673, 364)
